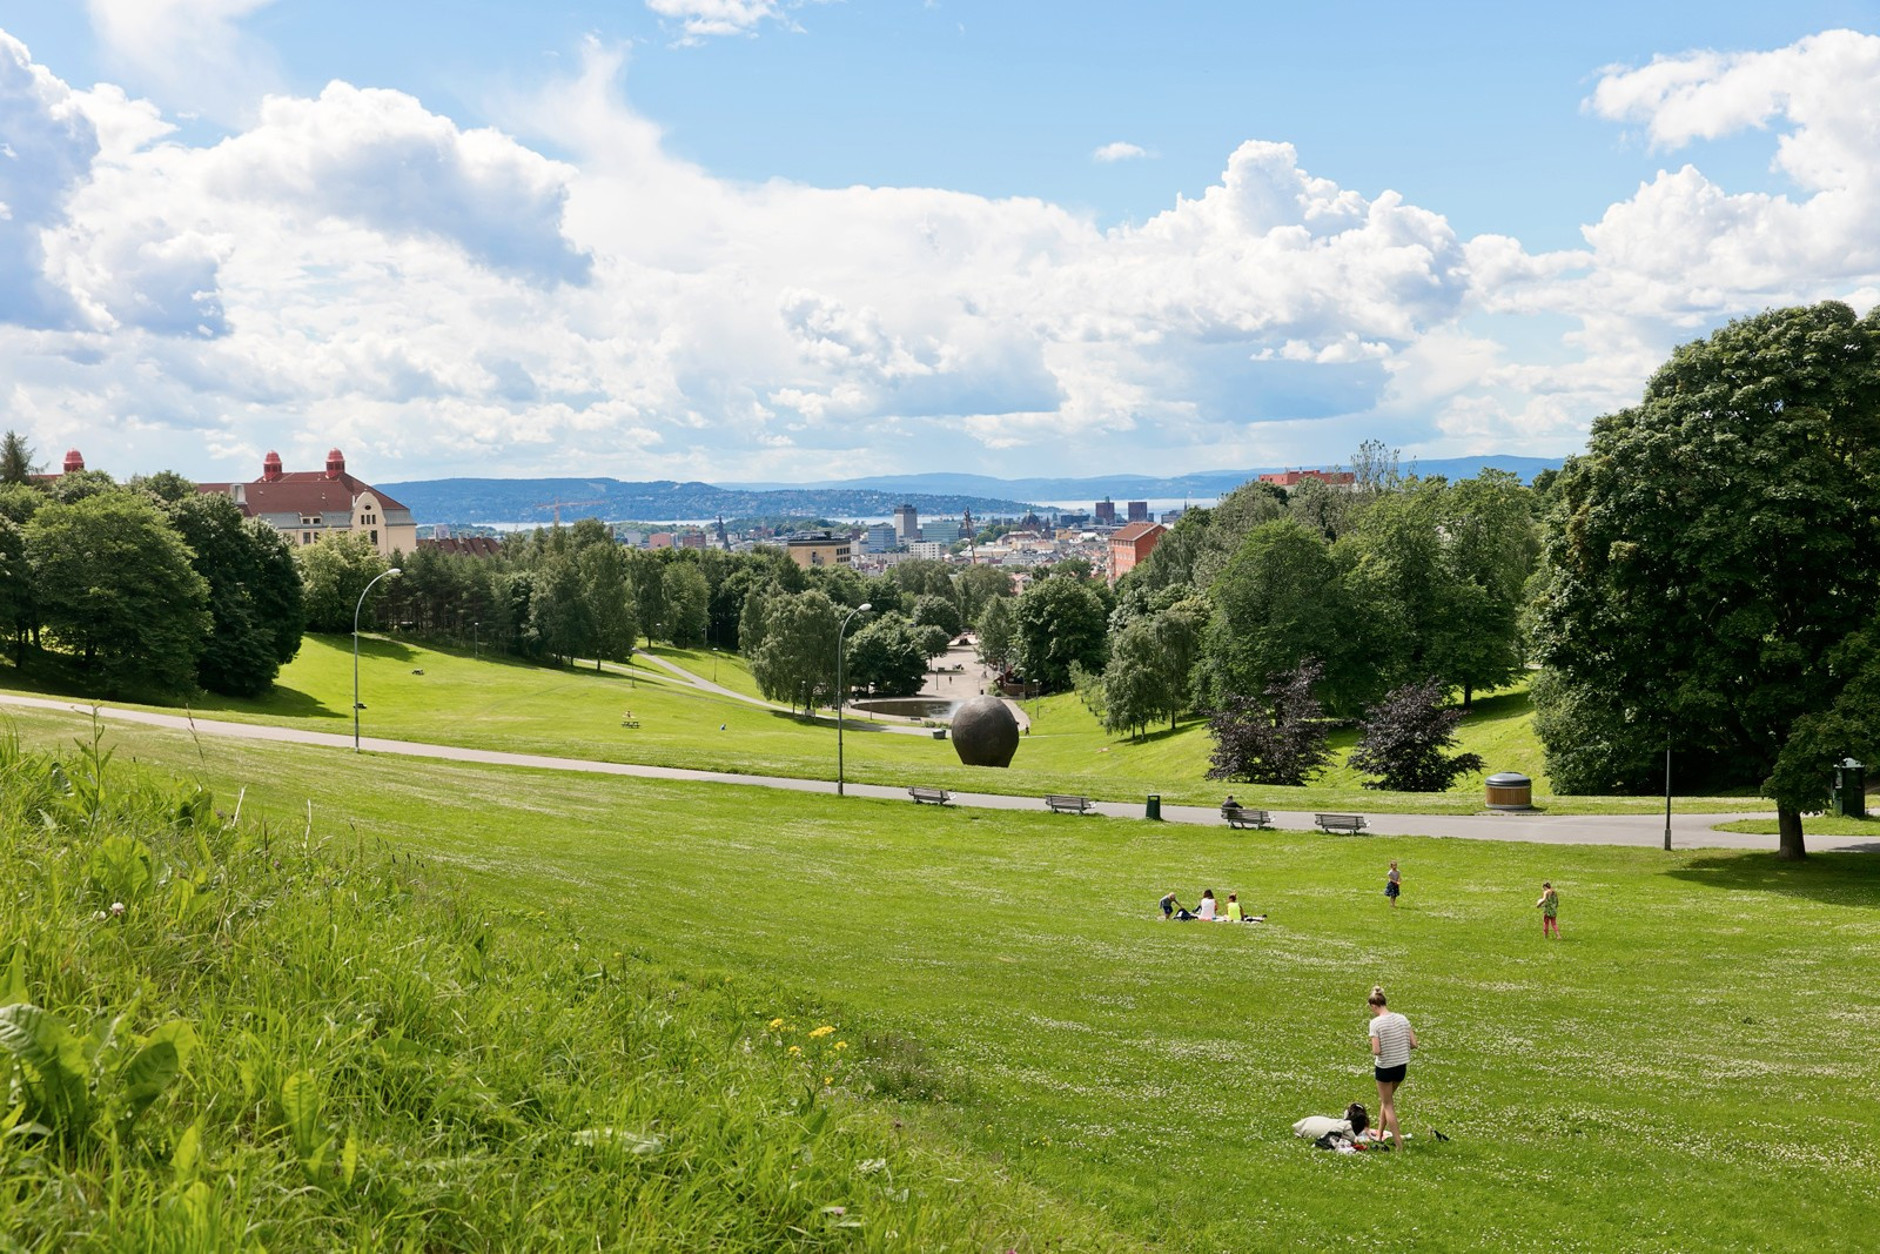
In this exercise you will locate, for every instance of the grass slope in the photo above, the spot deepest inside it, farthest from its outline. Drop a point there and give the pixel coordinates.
(1679, 1072)
(418, 693)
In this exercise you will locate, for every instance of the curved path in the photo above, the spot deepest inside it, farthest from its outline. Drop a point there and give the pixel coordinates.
(1689, 831)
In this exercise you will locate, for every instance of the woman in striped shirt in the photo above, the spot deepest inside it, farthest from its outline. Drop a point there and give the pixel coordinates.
(1392, 1039)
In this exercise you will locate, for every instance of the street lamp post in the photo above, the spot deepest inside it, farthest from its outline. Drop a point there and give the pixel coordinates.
(863, 608)
(476, 629)
(362, 604)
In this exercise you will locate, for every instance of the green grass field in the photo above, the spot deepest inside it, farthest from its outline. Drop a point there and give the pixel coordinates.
(1681, 1072)
(496, 703)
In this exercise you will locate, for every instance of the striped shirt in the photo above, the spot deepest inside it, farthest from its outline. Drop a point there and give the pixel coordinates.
(1391, 1031)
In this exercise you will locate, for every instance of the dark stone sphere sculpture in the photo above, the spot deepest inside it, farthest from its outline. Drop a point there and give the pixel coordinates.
(985, 733)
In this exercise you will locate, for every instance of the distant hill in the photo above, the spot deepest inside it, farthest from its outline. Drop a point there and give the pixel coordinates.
(464, 501)
(1201, 484)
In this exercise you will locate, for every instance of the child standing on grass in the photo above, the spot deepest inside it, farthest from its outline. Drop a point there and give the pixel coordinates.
(1393, 884)
(1549, 906)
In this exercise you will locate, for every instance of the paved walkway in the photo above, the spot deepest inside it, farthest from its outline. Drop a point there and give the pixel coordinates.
(1688, 831)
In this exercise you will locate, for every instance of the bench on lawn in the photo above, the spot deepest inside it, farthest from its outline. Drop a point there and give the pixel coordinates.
(629, 722)
(923, 795)
(1242, 817)
(1059, 803)
(1353, 823)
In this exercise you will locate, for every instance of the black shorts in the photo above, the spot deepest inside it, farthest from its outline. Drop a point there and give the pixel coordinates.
(1391, 1075)
(1390, 890)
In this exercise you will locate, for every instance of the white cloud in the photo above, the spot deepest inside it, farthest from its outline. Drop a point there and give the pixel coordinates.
(1120, 150)
(352, 268)
(192, 54)
(699, 19)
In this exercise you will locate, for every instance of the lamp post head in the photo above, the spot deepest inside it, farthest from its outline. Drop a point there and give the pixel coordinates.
(863, 608)
(394, 571)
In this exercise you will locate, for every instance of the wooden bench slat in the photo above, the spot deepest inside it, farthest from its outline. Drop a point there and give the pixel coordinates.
(1065, 804)
(926, 794)
(1353, 823)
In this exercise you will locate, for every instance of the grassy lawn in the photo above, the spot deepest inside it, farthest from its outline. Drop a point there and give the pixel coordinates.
(420, 693)
(1681, 1072)
(1815, 824)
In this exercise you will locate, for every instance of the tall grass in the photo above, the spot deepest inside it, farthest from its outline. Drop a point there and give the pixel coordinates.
(218, 1034)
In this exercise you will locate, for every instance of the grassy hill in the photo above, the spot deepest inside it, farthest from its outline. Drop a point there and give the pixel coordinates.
(1674, 1074)
(419, 693)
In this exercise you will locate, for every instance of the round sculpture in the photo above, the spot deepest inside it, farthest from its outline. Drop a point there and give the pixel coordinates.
(985, 733)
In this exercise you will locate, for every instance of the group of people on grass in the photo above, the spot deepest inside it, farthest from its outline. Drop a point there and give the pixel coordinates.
(1392, 1038)
(1207, 910)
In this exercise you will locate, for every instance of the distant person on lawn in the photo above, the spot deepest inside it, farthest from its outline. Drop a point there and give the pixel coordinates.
(1393, 883)
(1392, 1039)
(1549, 906)
(1236, 915)
(1173, 909)
(1205, 911)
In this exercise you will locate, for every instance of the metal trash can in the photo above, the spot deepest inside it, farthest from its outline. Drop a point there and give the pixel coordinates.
(1153, 810)
(1510, 790)
(1850, 789)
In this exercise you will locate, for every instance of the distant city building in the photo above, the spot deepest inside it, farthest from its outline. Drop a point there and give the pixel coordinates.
(465, 546)
(1131, 544)
(1073, 521)
(631, 537)
(307, 504)
(819, 550)
(932, 550)
(1139, 511)
(906, 523)
(1172, 516)
(880, 538)
(1106, 512)
(660, 540)
(1293, 478)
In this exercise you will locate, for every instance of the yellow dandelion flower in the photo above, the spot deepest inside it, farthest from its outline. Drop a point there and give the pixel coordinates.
(775, 1024)
(842, 1044)
(828, 1080)
(820, 1032)
(796, 1049)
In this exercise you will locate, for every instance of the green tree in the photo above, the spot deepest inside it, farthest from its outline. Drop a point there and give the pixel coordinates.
(1719, 543)
(608, 591)
(649, 590)
(888, 656)
(978, 586)
(1058, 621)
(1280, 601)
(112, 582)
(937, 611)
(79, 485)
(797, 660)
(335, 570)
(561, 621)
(995, 633)
(1277, 738)
(16, 459)
(688, 605)
(1138, 688)
(255, 594)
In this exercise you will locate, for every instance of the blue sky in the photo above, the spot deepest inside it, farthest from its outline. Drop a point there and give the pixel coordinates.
(742, 239)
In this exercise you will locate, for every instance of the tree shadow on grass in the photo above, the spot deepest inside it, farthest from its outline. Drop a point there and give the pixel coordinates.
(1849, 878)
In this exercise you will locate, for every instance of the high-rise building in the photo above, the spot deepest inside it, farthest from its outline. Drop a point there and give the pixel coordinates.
(1106, 512)
(1139, 511)
(906, 524)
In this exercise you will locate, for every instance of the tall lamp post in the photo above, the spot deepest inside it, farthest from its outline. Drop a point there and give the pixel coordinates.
(477, 636)
(863, 608)
(362, 604)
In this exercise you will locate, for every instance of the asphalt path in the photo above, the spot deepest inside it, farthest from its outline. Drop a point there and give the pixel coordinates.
(1688, 831)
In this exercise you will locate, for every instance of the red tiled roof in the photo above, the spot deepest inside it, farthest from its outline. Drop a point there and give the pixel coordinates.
(304, 492)
(473, 546)
(1134, 532)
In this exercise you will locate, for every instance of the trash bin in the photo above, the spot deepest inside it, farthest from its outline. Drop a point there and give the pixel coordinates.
(1850, 789)
(1510, 790)
(1153, 810)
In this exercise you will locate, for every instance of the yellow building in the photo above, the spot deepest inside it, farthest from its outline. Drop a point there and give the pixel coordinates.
(306, 504)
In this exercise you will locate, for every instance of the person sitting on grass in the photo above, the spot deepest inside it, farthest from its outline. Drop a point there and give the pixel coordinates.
(1236, 915)
(1328, 1132)
(1205, 911)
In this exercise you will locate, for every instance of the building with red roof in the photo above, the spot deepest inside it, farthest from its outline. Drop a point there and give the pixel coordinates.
(304, 505)
(1131, 544)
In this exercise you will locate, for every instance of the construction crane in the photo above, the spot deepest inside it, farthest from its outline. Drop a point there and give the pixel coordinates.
(558, 505)
(972, 539)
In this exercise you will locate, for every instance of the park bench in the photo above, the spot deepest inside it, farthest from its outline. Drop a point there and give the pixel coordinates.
(1353, 823)
(1059, 803)
(1242, 817)
(924, 795)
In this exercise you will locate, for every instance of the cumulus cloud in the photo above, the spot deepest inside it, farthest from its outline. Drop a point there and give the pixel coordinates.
(353, 268)
(1120, 150)
(699, 19)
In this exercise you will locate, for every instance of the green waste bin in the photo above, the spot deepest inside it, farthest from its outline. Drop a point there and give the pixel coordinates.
(1154, 809)
(1850, 789)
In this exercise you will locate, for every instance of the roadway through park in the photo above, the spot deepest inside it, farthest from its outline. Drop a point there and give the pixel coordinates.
(1688, 831)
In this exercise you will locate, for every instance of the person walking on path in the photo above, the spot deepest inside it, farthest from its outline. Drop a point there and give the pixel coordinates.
(1393, 883)
(1549, 906)
(1392, 1039)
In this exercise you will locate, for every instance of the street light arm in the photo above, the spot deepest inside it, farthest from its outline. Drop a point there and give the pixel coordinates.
(356, 611)
(863, 608)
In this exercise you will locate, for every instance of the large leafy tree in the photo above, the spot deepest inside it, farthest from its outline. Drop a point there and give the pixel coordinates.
(688, 605)
(796, 662)
(608, 590)
(335, 570)
(560, 619)
(888, 655)
(1139, 687)
(1059, 621)
(994, 632)
(113, 583)
(255, 593)
(1718, 545)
